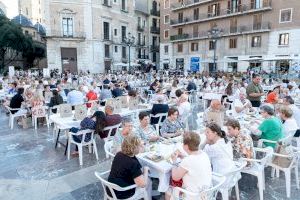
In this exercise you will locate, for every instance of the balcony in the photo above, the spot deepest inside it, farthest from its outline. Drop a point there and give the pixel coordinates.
(227, 32)
(189, 4)
(155, 12)
(220, 14)
(140, 28)
(69, 36)
(154, 48)
(154, 30)
(179, 37)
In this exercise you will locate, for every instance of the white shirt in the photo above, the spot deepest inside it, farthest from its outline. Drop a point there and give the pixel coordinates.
(221, 156)
(75, 97)
(296, 113)
(290, 126)
(238, 103)
(184, 110)
(199, 173)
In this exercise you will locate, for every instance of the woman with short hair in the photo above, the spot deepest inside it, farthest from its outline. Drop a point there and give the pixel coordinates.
(195, 169)
(145, 130)
(289, 123)
(172, 126)
(126, 169)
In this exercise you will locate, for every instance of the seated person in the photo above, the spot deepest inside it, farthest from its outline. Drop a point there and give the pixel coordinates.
(75, 97)
(242, 144)
(117, 91)
(17, 101)
(172, 126)
(273, 96)
(159, 107)
(159, 95)
(110, 120)
(218, 149)
(241, 105)
(145, 131)
(121, 134)
(288, 101)
(55, 100)
(214, 113)
(126, 168)
(184, 107)
(105, 93)
(91, 96)
(195, 169)
(270, 128)
(95, 122)
(289, 123)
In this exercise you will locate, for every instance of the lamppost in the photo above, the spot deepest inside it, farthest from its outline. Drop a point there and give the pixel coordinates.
(214, 33)
(129, 41)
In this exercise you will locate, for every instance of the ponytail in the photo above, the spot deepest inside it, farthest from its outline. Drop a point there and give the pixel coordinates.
(217, 129)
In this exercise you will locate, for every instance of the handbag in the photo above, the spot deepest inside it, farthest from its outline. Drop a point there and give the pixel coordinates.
(174, 183)
(283, 161)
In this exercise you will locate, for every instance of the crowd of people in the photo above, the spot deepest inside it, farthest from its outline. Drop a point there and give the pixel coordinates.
(172, 96)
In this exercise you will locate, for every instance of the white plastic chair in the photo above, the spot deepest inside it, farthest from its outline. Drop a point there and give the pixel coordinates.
(108, 145)
(232, 179)
(34, 119)
(160, 117)
(13, 116)
(110, 131)
(82, 143)
(139, 192)
(211, 193)
(258, 167)
(288, 170)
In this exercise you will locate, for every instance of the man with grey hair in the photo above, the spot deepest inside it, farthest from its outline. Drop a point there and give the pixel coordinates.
(111, 120)
(75, 97)
(127, 127)
(241, 104)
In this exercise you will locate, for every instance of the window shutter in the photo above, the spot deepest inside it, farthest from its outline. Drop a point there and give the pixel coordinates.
(229, 6)
(252, 4)
(209, 11)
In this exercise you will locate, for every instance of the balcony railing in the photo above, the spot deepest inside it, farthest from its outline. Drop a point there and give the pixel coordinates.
(247, 29)
(242, 9)
(179, 37)
(140, 28)
(155, 12)
(188, 4)
(154, 48)
(154, 30)
(60, 34)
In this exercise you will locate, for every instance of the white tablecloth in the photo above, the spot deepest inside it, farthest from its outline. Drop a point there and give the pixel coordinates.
(66, 122)
(162, 169)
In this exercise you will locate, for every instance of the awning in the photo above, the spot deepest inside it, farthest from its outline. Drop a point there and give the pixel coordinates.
(252, 59)
(276, 58)
(225, 60)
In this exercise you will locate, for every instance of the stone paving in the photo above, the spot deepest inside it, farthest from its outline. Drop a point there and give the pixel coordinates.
(32, 169)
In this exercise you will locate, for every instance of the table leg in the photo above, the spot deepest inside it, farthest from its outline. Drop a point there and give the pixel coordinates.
(57, 138)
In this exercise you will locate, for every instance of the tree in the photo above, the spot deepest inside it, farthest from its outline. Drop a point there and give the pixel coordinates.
(11, 42)
(34, 51)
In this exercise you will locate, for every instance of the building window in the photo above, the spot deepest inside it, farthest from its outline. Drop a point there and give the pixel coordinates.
(106, 51)
(212, 45)
(116, 49)
(180, 31)
(285, 15)
(256, 41)
(256, 4)
(166, 4)
(194, 46)
(166, 49)
(284, 39)
(214, 10)
(105, 30)
(123, 33)
(180, 17)
(166, 35)
(257, 21)
(232, 43)
(234, 6)
(124, 52)
(233, 25)
(196, 13)
(167, 19)
(115, 1)
(116, 32)
(195, 30)
(67, 23)
(179, 48)
(123, 5)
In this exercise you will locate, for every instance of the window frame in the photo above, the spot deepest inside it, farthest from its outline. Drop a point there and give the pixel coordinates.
(280, 12)
(288, 39)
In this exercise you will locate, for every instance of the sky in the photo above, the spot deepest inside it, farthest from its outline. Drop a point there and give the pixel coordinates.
(12, 7)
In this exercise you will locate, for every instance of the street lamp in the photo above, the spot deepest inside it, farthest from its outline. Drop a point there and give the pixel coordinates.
(129, 41)
(215, 33)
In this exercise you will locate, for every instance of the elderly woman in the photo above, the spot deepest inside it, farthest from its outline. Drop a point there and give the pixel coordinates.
(145, 131)
(214, 113)
(126, 169)
(241, 105)
(218, 149)
(270, 128)
(194, 169)
(184, 107)
(242, 144)
(172, 126)
(289, 123)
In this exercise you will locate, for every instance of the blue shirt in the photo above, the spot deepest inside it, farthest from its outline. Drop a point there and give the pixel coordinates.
(75, 97)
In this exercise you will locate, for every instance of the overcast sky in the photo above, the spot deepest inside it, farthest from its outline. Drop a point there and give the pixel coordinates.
(12, 7)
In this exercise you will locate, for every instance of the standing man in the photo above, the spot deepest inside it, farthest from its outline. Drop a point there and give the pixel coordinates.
(255, 91)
